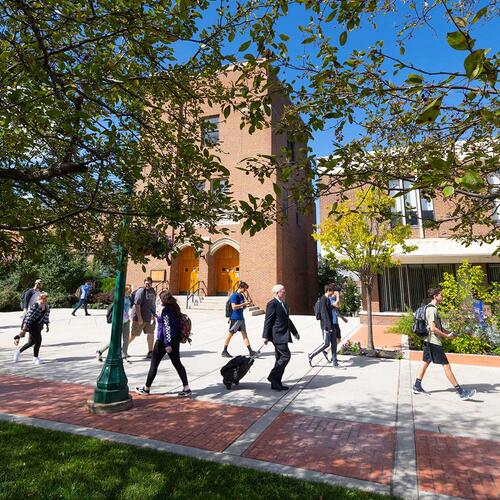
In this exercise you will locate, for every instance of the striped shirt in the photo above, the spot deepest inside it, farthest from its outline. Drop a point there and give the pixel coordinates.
(36, 316)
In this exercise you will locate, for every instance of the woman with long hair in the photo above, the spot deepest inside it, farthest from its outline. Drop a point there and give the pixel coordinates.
(168, 340)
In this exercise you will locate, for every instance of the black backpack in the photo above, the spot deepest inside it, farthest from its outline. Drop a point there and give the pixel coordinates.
(24, 298)
(132, 297)
(229, 308)
(419, 323)
(317, 312)
(109, 314)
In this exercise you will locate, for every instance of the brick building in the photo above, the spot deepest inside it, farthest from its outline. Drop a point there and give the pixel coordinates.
(284, 253)
(406, 285)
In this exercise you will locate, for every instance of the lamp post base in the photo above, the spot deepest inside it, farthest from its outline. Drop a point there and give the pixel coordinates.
(94, 407)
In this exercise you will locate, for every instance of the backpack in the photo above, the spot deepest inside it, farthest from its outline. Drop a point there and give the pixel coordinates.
(109, 314)
(317, 312)
(132, 297)
(229, 308)
(78, 292)
(419, 323)
(24, 299)
(185, 329)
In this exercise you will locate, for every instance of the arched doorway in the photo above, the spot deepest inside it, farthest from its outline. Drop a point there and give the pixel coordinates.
(227, 269)
(188, 269)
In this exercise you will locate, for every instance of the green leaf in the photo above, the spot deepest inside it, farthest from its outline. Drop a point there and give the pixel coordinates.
(430, 112)
(244, 46)
(460, 21)
(474, 63)
(415, 79)
(459, 40)
(308, 40)
(227, 111)
(343, 38)
(448, 191)
(480, 13)
(284, 37)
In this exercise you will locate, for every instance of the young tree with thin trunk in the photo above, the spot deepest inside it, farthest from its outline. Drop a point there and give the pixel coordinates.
(360, 237)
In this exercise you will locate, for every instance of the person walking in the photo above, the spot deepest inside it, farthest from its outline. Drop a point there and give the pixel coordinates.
(144, 315)
(28, 298)
(329, 326)
(433, 351)
(237, 320)
(83, 293)
(167, 342)
(277, 329)
(38, 315)
(125, 326)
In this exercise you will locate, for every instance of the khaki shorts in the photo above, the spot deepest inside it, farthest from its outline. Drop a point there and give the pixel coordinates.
(138, 328)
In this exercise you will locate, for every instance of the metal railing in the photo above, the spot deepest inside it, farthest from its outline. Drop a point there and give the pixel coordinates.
(161, 286)
(199, 289)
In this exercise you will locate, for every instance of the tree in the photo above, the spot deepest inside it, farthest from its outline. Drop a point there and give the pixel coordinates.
(434, 124)
(362, 240)
(98, 97)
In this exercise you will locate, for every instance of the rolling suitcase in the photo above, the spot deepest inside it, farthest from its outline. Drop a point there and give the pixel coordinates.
(236, 369)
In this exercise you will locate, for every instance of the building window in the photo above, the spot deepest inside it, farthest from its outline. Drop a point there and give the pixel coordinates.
(493, 272)
(411, 208)
(405, 286)
(494, 182)
(210, 130)
(220, 185)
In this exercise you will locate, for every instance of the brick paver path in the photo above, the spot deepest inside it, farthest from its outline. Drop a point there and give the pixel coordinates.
(458, 466)
(199, 424)
(381, 339)
(351, 449)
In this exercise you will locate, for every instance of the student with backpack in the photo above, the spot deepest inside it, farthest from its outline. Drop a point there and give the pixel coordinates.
(168, 340)
(433, 350)
(125, 327)
(234, 310)
(329, 326)
(83, 295)
(28, 298)
(38, 315)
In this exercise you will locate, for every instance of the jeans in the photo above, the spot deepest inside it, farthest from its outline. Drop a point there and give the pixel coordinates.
(81, 302)
(329, 338)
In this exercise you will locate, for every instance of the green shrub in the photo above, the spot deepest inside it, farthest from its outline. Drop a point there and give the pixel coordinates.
(403, 326)
(107, 285)
(9, 299)
(350, 300)
(467, 344)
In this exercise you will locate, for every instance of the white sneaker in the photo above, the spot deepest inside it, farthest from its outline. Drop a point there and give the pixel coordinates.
(37, 361)
(17, 356)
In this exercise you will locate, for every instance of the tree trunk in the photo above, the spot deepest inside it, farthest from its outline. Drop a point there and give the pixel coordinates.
(369, 316)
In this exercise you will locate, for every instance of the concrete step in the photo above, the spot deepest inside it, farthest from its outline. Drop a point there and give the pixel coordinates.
(258, 312)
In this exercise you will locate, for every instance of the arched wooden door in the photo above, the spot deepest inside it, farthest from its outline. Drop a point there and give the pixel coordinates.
(227, 269)
(188, 269)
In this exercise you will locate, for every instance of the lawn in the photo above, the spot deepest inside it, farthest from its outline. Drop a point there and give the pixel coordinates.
(38, 463)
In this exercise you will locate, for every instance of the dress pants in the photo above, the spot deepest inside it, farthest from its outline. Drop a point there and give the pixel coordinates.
(282, 353)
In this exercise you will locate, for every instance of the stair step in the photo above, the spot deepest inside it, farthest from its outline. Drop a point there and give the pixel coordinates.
(258, 312)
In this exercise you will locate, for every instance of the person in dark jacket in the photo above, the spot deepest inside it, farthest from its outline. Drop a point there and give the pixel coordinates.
(277, 329)
(167, 341)
(329, 326)
(37, 316)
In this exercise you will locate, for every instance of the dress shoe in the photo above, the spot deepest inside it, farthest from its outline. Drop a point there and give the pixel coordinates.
(284, 387)
(276, 387)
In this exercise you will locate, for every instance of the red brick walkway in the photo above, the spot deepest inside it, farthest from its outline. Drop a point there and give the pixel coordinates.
(351, 449)
(463, 467)
(187, 422)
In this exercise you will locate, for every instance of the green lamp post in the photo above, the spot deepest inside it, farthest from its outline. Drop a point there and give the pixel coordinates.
(111, 393)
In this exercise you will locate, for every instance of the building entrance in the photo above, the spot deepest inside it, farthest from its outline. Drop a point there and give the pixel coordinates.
(227, 269)
(188, 269)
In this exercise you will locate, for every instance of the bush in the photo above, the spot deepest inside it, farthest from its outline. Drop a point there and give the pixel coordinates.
(9, 299)
(467, 344)
(107, 285)
(102, 298)
(403, 326)
(350, 299)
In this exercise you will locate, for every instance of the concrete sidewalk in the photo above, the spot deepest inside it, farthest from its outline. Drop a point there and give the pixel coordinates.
(358, 426)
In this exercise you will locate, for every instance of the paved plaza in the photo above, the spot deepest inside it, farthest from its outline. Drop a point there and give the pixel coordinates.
(358, 426)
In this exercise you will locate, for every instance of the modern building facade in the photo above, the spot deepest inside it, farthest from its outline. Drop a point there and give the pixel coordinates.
(406, 285)
(282, 253)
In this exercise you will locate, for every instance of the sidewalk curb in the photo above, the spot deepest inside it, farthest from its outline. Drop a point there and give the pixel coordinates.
(222, 458)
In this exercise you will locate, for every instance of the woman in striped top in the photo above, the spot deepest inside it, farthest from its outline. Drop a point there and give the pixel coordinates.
(38, 315)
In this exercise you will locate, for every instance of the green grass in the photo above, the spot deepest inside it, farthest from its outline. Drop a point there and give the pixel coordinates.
(38, 463)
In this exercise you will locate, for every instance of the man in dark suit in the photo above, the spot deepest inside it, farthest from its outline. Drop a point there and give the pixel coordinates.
(277, 329)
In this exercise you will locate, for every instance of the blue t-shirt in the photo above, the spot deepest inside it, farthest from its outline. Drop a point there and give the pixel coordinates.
(85, 291)
(237, 298)
(335, 311)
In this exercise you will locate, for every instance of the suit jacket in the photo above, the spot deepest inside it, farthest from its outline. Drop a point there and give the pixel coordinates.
(278, 325)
